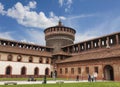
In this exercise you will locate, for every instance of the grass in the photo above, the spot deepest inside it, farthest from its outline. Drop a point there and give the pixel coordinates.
(85, 84)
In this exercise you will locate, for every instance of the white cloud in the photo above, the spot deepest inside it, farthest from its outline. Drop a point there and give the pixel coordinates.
(61, 2)
(32, 4)
(80, 16)
(6, 35)
(35, 36)
(66, 4)
(104, 28)
(29, 18)
(2, 9)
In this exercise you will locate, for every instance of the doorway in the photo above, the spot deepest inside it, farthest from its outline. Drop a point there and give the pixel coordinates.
(108, 72)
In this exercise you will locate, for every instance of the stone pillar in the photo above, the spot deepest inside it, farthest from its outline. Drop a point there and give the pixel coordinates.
(91, 44)
(99, 43)
(8, 43)
(16, 45)
(117, 39)
(107, 43)
(78, 47)
(85, 46)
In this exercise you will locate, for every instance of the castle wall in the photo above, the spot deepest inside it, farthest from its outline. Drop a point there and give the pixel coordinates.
(16, 66)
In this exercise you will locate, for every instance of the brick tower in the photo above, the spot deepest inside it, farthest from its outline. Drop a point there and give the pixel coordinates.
(58, 36)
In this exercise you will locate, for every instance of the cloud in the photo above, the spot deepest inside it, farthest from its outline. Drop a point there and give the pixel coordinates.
(66, 4)
(80, 16)
(30, 18)
(35, 36)
(2, 9)
(6, 35)
(107, 26)
(32, 4)
(61, 2)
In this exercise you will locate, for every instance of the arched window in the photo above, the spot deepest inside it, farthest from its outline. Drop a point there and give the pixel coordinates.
(40, 60)
(8, 70)
(19, 58)
(47, 71)
(23, 71)
(36, 71)
(47, 60)
(30, 59)
(9, 58)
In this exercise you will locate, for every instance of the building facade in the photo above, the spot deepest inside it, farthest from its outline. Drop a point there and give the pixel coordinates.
(99, 56)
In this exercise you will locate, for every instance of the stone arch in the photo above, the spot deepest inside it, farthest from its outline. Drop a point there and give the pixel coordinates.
(8, 70)
(47, 71)
(108, 72)
(23, 70)
(36, 71)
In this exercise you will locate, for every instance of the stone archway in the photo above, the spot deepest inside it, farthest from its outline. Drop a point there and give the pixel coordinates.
(47, 71)
(108, 72)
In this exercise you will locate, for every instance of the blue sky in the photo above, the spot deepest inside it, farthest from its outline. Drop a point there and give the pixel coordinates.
(25, 20)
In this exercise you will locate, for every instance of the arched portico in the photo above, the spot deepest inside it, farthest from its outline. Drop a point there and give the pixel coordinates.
(108, 72)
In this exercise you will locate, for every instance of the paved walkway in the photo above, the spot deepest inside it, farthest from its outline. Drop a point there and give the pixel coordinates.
(40, 82)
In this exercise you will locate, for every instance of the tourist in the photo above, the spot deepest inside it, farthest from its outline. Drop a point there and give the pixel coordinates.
(95, 76)
(89, 78)
(77, 78)
(92, 78)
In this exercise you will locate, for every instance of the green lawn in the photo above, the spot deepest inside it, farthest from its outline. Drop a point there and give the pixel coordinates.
(86, 84)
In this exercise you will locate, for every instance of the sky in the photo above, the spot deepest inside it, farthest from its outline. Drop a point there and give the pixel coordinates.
(26, 20)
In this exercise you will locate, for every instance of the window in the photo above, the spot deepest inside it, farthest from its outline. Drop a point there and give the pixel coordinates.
(23, 71)
(87, 70)
(47, 60)
(66, 70)
(79, 70)
(19, 58)
(8, 70)
(60, 71)
(72, 70)
(96, 69)
(30, 59)
(9, 57)
(40, 60)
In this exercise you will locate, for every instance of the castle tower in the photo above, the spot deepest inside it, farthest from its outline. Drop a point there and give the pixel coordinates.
(58, 36)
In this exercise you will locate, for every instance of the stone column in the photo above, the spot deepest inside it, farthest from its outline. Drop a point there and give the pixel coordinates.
(117, 39)
(78, 47)
(8, 43)
(85, 46)
(16, 45)
(91, 44)
(99, 43)
(107, 43)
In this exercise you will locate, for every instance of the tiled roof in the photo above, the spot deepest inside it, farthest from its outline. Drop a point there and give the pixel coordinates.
(61, 53)
(24, 51)
(105, 53)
